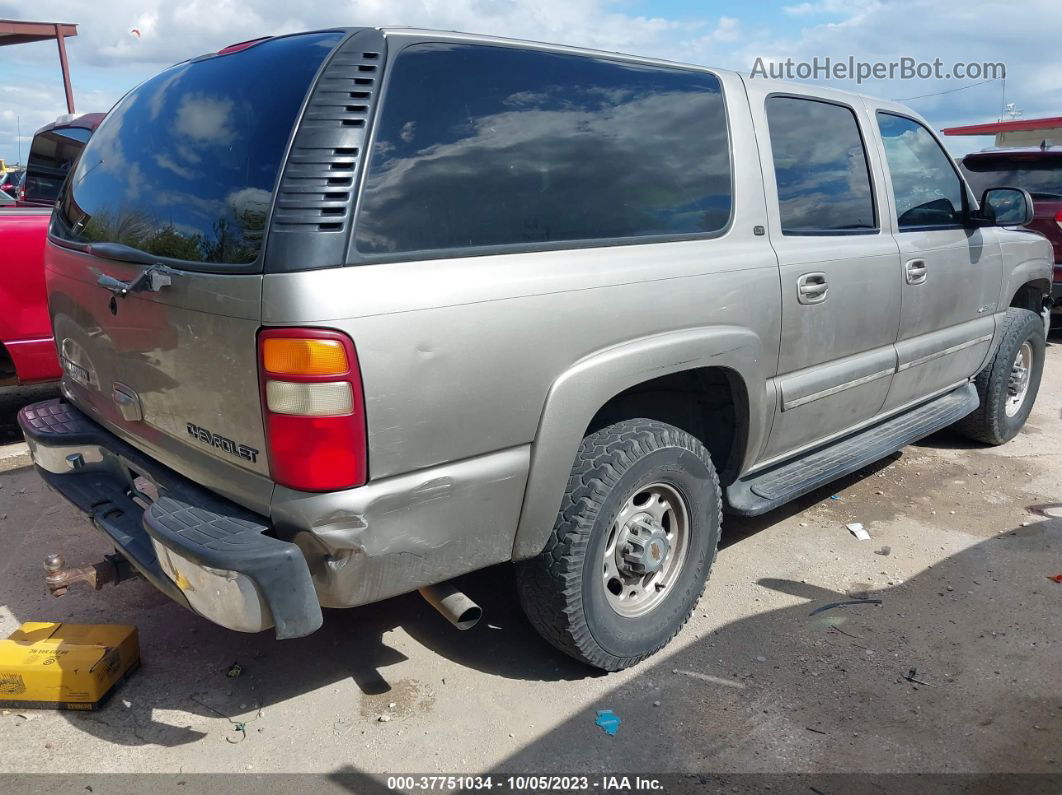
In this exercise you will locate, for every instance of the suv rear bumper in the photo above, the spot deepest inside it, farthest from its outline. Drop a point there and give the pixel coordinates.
(202, 551)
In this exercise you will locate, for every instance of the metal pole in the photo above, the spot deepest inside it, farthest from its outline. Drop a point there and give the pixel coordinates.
(66, 69)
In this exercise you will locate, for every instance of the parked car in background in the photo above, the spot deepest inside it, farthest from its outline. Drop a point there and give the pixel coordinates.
(27, 350)
(54, 150)
(327, 338)
(1039, 171)
(10, 182)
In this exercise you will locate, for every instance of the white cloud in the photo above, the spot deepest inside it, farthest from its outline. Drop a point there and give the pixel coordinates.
(729, 29)
(846, 7)
(204, 118)
(106, 59)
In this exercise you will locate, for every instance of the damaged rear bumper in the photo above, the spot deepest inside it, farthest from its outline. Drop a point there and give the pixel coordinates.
(200, 550)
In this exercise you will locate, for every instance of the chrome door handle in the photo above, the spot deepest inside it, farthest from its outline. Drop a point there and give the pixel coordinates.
(915, 271)
(812, 288)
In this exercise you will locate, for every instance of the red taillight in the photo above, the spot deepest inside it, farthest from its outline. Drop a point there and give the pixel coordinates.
(1058, 219)
(314, 409)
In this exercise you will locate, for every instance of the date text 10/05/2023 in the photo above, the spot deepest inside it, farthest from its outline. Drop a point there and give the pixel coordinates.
(524, 783)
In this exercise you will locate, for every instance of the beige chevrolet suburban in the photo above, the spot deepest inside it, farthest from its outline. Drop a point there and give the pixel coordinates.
(346, 314)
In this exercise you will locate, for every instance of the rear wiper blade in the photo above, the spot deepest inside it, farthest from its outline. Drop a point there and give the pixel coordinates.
(122, 252)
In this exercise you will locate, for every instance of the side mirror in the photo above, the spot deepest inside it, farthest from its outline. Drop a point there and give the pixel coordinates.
(1005, 207)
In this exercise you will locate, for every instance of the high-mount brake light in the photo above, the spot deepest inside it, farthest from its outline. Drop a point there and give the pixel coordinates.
(243, 45)
(314, 408)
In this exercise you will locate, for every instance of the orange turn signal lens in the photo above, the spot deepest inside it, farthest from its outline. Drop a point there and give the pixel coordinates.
(291, 356)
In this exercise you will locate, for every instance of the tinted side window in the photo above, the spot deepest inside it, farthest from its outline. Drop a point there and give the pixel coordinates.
(927, 189)
(820, 167)
(489, 146)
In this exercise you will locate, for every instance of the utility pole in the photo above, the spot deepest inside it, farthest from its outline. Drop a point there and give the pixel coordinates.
(18, 137)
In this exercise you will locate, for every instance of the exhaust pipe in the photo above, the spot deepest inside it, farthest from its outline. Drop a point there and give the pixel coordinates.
(454, 606)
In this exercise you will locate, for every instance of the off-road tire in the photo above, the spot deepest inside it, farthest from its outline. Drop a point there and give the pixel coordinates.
(989, 423)
(561, 589)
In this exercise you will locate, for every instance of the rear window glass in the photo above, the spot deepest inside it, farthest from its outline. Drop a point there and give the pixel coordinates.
(51, 156)
(482, 146)
(185, 165)
(1042, 177)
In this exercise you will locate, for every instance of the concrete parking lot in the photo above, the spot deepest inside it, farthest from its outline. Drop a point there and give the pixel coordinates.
(956, 669)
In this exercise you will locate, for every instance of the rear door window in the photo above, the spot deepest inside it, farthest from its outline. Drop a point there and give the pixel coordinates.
(820, 167)
(184, 166)
(482, 146)
(925, 182)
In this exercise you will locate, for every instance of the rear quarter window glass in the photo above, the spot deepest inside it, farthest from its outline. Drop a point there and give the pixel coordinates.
(820, 167)
(184, 166)
(483, 146)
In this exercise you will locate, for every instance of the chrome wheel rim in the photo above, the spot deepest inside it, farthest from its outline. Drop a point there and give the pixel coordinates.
(1018, 383)
(645, 551)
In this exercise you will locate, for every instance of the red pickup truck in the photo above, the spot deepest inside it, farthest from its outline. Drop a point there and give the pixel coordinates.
(27, 353)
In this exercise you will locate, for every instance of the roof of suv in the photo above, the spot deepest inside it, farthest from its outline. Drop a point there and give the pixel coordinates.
(88, 121)
(781, 86)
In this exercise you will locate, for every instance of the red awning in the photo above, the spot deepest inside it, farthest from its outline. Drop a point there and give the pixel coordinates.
(14, 31)
(1015, 125)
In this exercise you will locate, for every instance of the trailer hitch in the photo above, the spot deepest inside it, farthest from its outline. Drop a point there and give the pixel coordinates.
(113, 569)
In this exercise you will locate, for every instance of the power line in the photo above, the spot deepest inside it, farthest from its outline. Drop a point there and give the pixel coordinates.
(948, 91)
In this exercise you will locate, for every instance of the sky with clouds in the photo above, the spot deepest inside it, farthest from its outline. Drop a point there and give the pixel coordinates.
(106, 59)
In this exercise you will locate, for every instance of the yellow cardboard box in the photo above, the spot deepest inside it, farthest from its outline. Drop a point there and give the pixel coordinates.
(65, 666)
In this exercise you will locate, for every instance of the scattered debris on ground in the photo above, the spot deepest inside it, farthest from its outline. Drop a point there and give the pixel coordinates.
(608, 721)
(912, 676)
(857, 529)
(846, 603)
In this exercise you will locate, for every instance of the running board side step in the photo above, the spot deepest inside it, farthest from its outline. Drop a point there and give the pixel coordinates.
(765, 491)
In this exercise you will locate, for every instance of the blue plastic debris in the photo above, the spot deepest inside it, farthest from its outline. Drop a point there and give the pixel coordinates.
(608, 721)
(835, 497)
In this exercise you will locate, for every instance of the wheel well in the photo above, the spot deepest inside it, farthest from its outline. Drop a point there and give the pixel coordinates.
(7, 367)
(1031, 296)
(709, 403)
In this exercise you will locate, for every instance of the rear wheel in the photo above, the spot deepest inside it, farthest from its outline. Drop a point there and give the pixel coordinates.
(631, 548)
(1008, 385)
